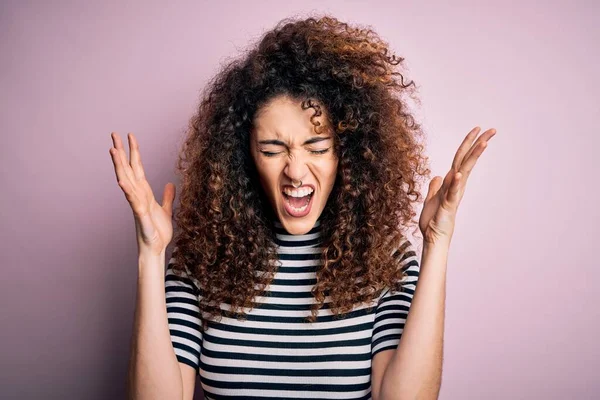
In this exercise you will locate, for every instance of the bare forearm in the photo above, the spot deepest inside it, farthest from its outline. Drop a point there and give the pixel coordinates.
(153, 368)
(415, 370)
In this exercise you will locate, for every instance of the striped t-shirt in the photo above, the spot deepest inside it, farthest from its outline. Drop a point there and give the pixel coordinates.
(275, 353)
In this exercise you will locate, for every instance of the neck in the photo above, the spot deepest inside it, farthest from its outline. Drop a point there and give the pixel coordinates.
(312, 230)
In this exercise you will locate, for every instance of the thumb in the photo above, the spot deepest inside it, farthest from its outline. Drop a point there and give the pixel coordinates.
(168, 197)
(434, 185)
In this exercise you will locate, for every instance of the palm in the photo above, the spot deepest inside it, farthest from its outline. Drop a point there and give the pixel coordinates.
(437, 218)
(152, 221)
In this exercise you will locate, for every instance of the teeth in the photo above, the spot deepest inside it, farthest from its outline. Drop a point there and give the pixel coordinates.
(298, 209)
(298, 192)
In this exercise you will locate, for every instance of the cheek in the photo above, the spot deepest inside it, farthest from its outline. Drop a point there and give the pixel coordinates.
(269, 174)
(330, 169)
(326, 173)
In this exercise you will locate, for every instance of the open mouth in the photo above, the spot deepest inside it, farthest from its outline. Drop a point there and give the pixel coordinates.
(298, 206)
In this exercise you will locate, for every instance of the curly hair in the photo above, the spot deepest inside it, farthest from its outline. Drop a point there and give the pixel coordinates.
(225, 238)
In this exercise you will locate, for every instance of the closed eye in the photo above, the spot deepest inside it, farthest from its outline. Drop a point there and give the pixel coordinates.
(317, 152)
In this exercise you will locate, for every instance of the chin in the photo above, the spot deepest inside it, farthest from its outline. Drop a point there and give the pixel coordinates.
(295, 225)
(299, 227)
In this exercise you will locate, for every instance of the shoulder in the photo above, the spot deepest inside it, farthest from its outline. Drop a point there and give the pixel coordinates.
(406, 255)
(180, 276)
(405, 252)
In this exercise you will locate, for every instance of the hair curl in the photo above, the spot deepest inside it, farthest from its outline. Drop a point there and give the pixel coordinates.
(225, 222)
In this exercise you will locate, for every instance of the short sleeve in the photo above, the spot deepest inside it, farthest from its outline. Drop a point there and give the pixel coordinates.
(183, 315)
(393, 307)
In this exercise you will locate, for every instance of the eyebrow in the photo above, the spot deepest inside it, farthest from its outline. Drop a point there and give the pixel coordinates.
(309, 141)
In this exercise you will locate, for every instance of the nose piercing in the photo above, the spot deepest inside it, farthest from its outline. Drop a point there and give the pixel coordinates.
(295, 185)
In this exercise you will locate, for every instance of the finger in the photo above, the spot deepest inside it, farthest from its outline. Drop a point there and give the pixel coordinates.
(136, 159)
(114, 157)
(168, 197)
(453, 196)
(118, 164)
(128, 172)
(122, 180)
(469, 163)
(464, 147)
(487, 135)
(447, 180)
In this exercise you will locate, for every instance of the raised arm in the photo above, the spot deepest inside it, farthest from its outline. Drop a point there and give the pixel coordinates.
(154, 372)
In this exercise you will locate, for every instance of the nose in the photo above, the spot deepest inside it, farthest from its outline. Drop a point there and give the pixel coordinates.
(296, 168)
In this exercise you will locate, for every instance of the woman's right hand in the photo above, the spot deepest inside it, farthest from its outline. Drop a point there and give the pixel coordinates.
(152, 221)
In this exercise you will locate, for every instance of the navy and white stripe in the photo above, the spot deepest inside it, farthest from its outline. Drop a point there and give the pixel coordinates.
(275, 353)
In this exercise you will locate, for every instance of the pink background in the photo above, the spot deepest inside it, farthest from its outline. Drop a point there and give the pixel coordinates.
(522, 318)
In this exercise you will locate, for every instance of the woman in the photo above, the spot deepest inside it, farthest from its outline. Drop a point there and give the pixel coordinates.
(292, 275)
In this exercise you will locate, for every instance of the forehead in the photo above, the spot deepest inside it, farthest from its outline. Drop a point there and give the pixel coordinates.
(284, 117)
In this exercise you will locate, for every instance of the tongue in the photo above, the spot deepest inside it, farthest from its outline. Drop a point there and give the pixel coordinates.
(299, 202)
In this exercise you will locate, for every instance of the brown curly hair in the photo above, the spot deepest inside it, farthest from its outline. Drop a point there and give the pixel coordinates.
(225, 223)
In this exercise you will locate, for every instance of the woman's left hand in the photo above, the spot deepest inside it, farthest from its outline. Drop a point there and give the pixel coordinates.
(439, 210)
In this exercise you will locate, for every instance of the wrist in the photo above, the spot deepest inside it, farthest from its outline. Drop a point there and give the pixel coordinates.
(151, 253)
(439, 249)
(151, 262)
(441, 243)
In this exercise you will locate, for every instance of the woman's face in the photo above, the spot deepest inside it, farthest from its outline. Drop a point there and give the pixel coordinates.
(287, 150)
